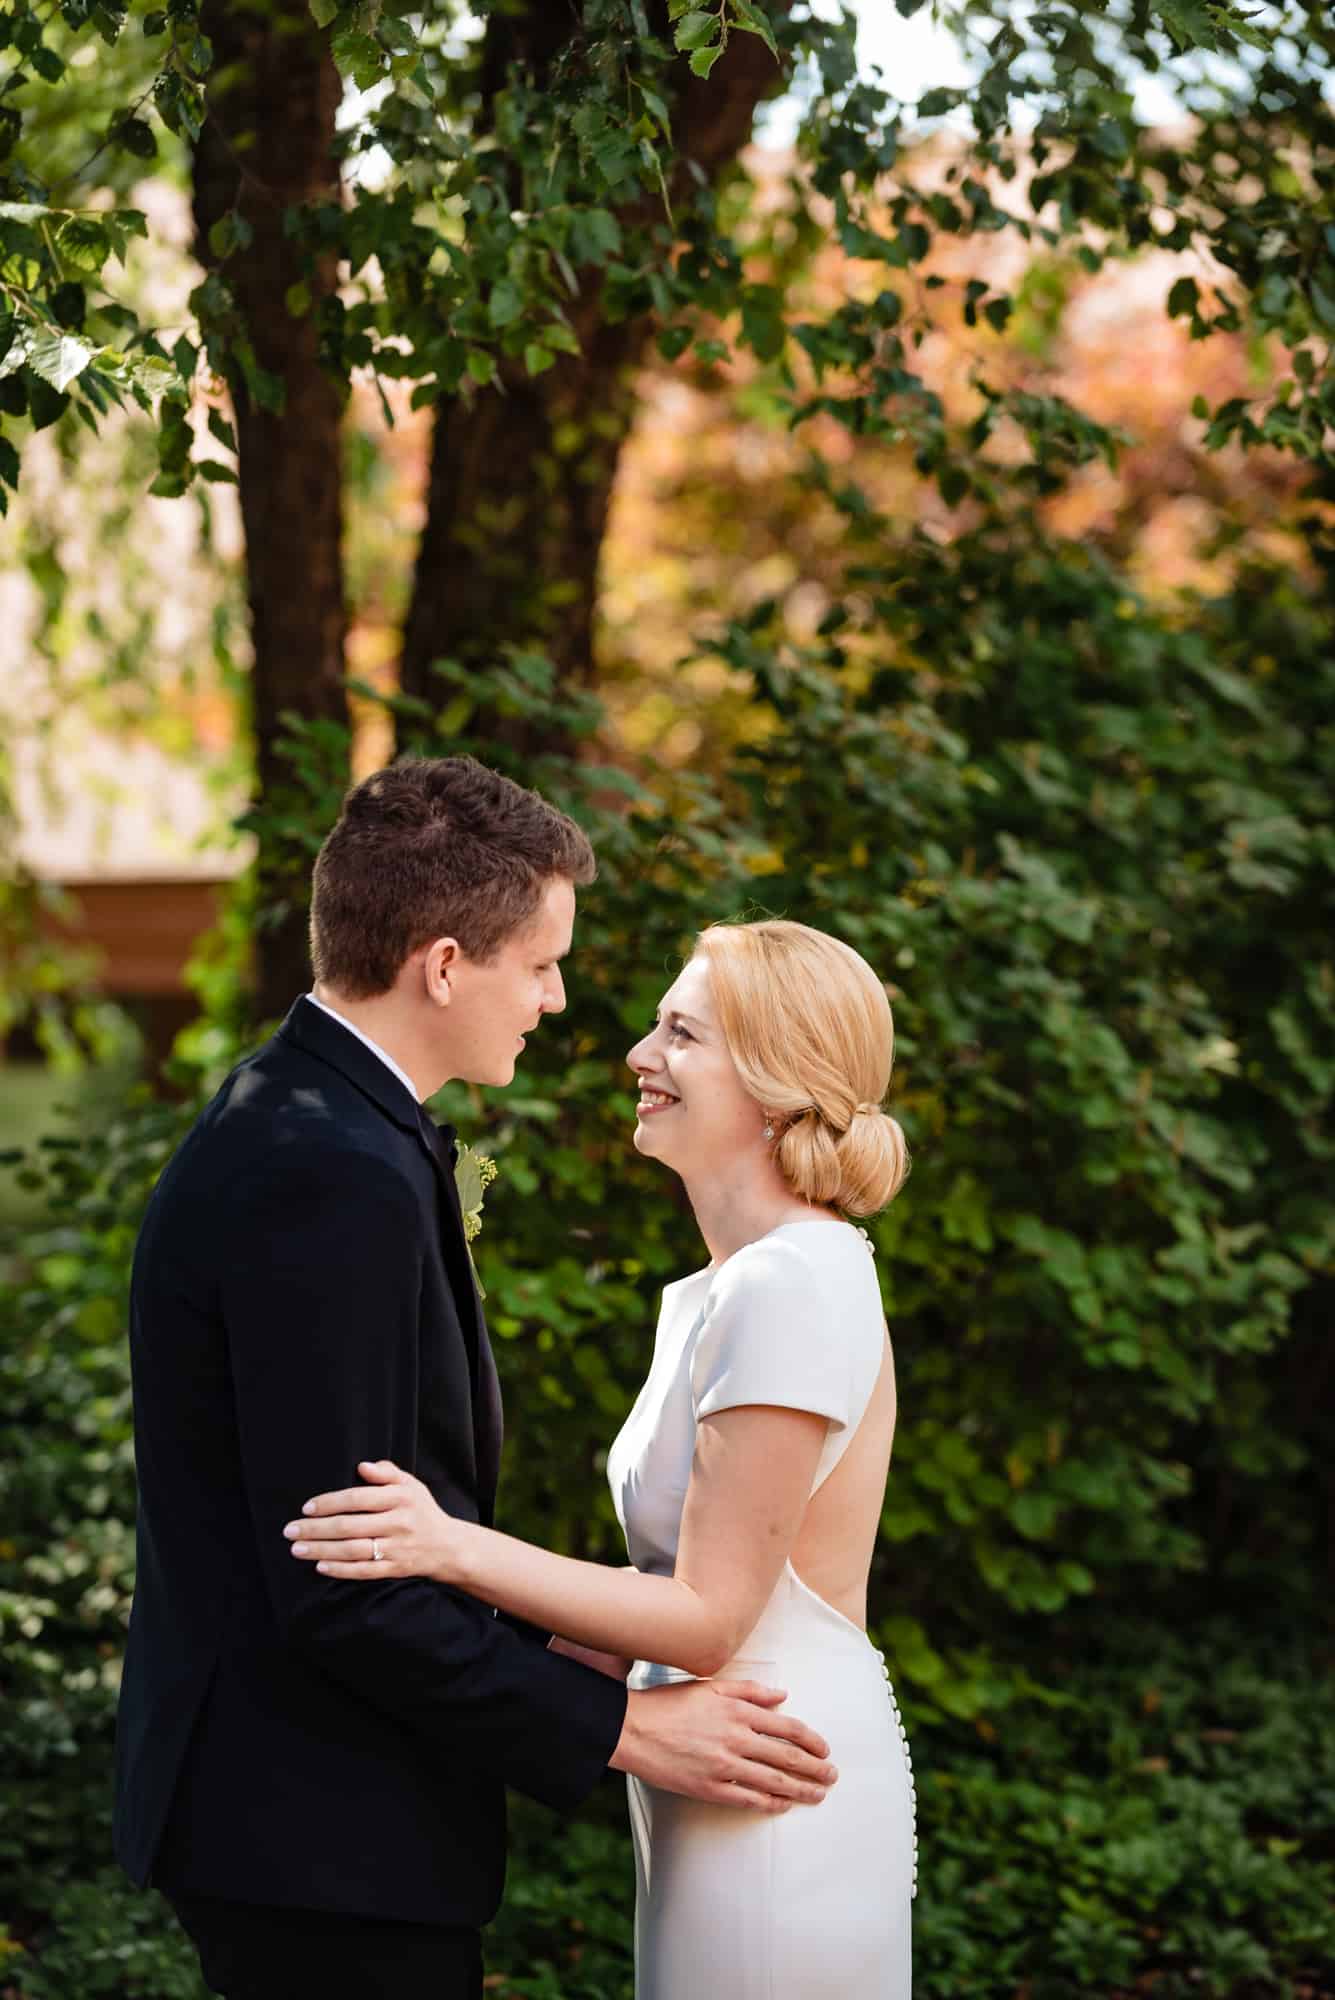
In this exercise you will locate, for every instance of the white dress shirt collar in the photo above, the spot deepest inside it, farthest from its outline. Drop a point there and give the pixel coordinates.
(374, 1047)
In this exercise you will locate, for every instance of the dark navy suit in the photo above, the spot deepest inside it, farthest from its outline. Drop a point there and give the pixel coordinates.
(301, 1300)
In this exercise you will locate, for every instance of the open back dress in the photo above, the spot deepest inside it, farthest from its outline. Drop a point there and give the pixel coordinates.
(813, 1903)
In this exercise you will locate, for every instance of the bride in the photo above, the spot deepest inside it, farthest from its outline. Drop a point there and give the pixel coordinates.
(748, 1478)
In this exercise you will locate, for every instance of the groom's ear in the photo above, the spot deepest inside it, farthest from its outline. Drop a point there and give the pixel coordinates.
(440, 969)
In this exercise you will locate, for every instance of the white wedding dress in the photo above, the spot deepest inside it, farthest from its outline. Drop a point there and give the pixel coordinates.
(815, 1903)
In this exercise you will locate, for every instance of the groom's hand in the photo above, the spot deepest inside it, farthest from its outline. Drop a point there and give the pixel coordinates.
(724, 1742)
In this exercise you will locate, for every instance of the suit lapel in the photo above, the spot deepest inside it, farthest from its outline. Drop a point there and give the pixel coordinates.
(439, 1141)
(313, 1030)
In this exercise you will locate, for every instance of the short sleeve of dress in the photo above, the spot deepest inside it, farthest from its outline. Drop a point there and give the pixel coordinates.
(768, 1336)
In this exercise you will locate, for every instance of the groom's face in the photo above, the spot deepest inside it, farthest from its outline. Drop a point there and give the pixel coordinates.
(493, 1006)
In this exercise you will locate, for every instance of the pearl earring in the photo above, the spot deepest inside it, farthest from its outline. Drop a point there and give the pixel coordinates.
(769, 1129)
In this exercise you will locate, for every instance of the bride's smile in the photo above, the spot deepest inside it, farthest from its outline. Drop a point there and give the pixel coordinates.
(654, 1100)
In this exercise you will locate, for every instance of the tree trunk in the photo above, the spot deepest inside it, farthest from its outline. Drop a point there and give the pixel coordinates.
(520, 482)
(266, 147)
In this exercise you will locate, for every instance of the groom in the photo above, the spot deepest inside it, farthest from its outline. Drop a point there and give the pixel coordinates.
(314, 1772)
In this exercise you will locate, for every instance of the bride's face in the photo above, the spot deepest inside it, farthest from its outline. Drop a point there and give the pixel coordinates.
(694, 1112)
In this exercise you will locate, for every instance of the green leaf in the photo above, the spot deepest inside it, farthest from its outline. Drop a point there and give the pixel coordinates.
(153, 375)
(222, 430)
(13, 345)
(9, 464)
(20, 269)
(763, 326)
(84, 243)
(216, 472)
(134, 135)
(1034, 1514)
(1188, 23)
(359, 56)
(506, 303)
(397, 34)
(46, 403)
(595, 235)
(23, 211)
(1110, 138)
(953, 482)
(657, 109)
(537, 358)
(748, 17)
(58, 358)
(473, 1174)
(703, 60)
(155, 23)
(481, 365)
(297, 299)
(323, 12)
(268, 389)
(230, 232)
(696, 29)
(1323, 304)
(1183, 299)
(69, 305)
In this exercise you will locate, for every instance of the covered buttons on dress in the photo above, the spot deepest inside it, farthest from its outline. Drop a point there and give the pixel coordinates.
(908, 1763)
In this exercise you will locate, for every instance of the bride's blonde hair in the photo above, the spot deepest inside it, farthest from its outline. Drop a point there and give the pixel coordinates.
(809, 1026)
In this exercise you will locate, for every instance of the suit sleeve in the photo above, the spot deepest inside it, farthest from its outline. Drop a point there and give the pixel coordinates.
(321, 1307)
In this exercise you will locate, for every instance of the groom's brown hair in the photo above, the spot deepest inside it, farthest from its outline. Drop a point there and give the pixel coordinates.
(433, 847)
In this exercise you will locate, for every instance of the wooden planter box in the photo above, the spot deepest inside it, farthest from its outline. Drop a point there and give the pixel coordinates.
(143, 930)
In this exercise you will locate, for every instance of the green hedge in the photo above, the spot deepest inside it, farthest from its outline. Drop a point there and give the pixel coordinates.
(1092, 850)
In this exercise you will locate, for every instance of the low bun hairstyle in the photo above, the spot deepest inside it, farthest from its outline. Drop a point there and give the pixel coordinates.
(808, 1025)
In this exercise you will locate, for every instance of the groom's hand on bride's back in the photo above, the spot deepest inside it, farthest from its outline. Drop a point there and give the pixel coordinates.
(724, 1742)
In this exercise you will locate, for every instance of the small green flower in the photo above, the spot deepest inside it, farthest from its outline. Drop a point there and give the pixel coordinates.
(473, 1175)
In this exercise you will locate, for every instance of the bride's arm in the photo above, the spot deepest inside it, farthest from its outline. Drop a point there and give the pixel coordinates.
(749, 1486)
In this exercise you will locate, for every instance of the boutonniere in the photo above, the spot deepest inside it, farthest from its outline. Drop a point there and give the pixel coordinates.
(473, 1175)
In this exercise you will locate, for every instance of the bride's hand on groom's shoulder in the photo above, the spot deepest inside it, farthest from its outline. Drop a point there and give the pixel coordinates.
(388, 1527)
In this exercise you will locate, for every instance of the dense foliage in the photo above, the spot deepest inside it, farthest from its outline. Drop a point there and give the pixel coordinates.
(1091, 850)
(502, 221)
(477, 247)
(1087, 841)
